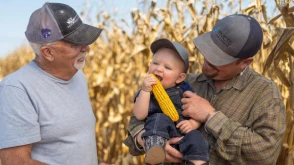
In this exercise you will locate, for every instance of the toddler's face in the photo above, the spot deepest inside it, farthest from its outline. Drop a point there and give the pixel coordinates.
(168, 67)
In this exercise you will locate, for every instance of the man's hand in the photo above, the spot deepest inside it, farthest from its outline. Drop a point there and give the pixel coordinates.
(196, 107)
(140, 140)
(173, 155)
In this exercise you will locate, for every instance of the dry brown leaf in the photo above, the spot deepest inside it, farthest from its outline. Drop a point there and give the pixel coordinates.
(137, 49)
(283, 40)
(289, 18)
(291, 10)
(280, 74)
(120, 58)
(263, 9)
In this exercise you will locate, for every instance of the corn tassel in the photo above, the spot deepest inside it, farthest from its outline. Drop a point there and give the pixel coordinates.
(164, 101)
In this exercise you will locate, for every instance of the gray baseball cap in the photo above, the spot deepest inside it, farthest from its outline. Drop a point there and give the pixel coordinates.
(165, 43)
(233, 37)
(57, 21)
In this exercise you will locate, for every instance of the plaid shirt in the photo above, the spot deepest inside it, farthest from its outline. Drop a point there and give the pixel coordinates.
(250, 122)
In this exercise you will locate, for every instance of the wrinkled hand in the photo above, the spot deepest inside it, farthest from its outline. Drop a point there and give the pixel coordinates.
(148, 82)
(140, 140)
(173, 155)
(185, 126)
(196, 107)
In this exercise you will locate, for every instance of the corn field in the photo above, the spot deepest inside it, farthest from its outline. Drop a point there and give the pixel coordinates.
(120, 58)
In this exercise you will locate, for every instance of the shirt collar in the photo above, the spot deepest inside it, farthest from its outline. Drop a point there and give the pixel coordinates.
(240, 81)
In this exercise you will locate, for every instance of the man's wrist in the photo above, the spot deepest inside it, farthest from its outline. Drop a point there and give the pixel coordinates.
(209, 115)
(205, 125)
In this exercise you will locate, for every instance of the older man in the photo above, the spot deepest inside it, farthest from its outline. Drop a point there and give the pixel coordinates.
(45, 113)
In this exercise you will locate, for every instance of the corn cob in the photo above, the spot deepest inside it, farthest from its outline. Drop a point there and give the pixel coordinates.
(164, 101)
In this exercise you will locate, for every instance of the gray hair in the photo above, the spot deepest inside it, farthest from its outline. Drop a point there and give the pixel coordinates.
(37, 47)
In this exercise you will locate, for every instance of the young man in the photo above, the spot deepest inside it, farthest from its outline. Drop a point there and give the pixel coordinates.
(242, 110)
(45, 113)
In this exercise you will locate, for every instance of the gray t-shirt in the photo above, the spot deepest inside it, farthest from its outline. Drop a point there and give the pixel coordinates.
(52, 114)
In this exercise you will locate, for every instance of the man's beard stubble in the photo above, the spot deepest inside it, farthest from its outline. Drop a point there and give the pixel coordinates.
(209, 70)
(79, 65)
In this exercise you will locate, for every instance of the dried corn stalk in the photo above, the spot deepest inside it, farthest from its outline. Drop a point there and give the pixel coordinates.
(121, 56)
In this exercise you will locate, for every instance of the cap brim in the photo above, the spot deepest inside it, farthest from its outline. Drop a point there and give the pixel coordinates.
(211, 52)
(165, 43)
(84, 35)
(162, 43)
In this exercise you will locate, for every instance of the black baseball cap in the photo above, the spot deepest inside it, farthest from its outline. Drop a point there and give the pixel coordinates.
(177, 47)
(57, 21)
(234, 37)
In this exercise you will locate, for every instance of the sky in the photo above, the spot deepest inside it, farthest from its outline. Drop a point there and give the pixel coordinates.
(15, 14)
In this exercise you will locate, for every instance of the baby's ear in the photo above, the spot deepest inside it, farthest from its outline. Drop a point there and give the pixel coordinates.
(181, 78)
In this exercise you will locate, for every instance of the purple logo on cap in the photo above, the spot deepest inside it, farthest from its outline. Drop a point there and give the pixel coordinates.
(46, 33)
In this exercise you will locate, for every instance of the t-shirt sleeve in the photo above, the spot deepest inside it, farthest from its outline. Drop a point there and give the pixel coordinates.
(18, 118)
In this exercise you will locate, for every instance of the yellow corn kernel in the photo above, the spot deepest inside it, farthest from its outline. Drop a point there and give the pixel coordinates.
(164, 101)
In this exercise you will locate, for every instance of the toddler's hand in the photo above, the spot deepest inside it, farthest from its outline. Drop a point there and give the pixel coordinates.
(185, 126)
(148, 82)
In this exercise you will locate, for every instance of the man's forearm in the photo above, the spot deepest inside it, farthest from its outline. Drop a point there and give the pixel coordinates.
(228, 134)
(20, 155)
(17, 160)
